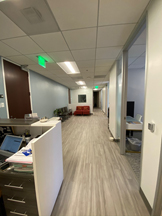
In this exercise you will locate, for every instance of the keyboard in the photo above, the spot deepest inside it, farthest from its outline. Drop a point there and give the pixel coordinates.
(2, 158)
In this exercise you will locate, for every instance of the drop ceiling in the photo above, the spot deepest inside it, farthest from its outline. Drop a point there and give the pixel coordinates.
(91, 33)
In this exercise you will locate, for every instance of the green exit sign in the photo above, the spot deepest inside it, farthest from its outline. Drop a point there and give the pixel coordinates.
(41, 61)
(96, 87)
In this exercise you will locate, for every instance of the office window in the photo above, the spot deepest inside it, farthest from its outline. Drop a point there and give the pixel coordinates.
(81, 98)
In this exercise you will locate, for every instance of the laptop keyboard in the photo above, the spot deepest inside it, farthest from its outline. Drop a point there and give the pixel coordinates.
(2, 158)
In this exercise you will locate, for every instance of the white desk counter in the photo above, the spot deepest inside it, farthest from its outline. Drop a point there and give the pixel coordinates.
(47, 161)
(133, 124)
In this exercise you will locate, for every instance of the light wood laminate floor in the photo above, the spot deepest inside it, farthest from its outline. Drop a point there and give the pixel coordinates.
(98, 181)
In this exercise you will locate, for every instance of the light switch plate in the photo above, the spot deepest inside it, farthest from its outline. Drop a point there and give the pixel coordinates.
(151, 127)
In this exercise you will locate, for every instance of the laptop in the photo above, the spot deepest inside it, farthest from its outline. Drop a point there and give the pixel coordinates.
(10, 145)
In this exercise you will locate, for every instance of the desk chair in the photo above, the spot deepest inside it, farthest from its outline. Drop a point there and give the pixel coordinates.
(138, 117)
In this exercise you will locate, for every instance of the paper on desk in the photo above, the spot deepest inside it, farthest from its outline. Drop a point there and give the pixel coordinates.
(19, 157)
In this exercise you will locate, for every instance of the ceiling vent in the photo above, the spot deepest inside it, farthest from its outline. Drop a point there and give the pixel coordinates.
(103, 76)
(32, 15)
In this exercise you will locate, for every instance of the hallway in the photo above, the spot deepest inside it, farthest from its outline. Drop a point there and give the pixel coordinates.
(98, 181)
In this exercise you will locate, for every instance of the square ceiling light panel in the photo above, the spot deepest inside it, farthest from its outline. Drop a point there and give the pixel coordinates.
(80, 83)
(69, 67)
(33, 17)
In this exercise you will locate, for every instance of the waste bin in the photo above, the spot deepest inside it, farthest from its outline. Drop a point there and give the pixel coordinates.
(134, 144)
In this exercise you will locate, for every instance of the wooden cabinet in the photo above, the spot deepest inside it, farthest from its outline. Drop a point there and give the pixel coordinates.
(18, 191)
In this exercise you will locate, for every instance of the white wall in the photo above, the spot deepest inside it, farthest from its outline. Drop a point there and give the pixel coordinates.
(136, 89)
(104, 100)
(74, 98)
(100, 99)
(113, 101)
(153, 101)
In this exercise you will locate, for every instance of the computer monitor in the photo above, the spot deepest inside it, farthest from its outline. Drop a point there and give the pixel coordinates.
(11, 143)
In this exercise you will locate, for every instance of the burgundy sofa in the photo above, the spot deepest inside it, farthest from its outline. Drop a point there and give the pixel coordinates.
(82, 110)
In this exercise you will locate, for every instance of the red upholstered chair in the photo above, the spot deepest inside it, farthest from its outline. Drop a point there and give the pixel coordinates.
(79, 110)
(86, 110)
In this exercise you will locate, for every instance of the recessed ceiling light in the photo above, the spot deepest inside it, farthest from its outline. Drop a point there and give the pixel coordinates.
(80, 83)
(2, 0)
(83, 87)
(69, 67)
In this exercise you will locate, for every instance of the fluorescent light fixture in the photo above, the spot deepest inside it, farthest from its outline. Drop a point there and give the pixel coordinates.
(83, 87)
(80, 83)
(69, 67)
(2, 0)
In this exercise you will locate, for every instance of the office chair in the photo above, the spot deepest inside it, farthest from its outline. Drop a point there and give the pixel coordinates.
(138, 117)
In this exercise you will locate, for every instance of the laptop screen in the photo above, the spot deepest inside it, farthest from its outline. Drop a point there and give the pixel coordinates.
(11, 143)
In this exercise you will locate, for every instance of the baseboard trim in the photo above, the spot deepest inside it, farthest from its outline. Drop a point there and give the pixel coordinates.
(147, 204)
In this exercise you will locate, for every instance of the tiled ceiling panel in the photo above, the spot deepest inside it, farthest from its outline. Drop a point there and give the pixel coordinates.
(74, 14)
(87, 54)
(141, 40)
(108, 53)
(22, 60)
(84, 64)
(33, 17)
(52, 66)
(8, 28)
(136, 51)
(120, 12)
(61, 56)
(104, 62)
(5, 50)
(114, 35)
(24, 45)
(81, 39)
(36, 67)
(51, 42)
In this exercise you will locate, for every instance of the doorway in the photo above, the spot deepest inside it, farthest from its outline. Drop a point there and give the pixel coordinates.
(17, 90)
(96, 99)
(135, 101)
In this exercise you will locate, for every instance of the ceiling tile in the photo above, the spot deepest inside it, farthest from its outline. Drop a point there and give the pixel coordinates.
(102, 69)
(9, 29)
(97, 73)
(141, 40)
(131, 60)
(108, 53)
(87, 70)
(24, 45)
(87, 54)
(104, 62)
(61, 56)
(139, 61)
(113, 35)
(81, 39)
(22, 60)
(84, 64)
(52, 66)
(60, 73)
(136, 66)
(120, 12)
(36, 68)
(51, 42)
(5, 50)
(136, 51)
(74, 14)
(34, 57)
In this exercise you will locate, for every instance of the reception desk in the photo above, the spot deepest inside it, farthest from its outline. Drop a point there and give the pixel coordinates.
(47, 166)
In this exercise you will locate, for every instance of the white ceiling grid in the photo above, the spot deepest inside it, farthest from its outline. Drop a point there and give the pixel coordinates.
(92, 33)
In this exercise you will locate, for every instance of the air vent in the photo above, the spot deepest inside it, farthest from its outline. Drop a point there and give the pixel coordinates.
(103, 76)
(32, 15)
